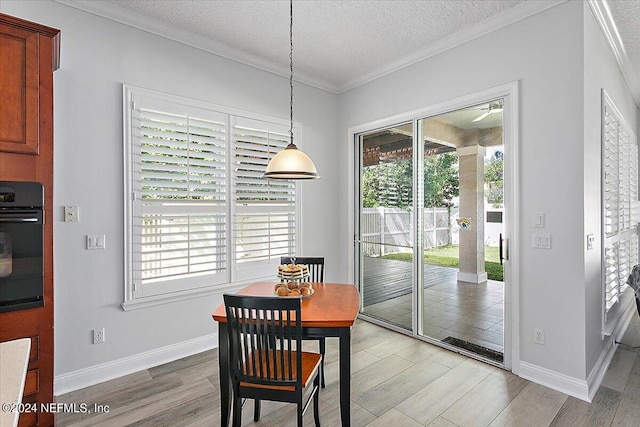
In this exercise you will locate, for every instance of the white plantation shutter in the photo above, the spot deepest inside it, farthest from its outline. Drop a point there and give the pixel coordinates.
(610, 172)
(198, 213)
(182, 157)
(179, 224)
(264, 223)
(611, 276)
(619, 210)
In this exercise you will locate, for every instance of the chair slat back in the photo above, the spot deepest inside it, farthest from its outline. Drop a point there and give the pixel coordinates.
(316, 266)
(263, 334)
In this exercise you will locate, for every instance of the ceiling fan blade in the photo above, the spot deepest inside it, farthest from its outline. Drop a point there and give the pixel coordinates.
(481, 116)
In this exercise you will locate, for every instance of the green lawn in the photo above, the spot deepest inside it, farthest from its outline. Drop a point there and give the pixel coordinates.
(447, 256)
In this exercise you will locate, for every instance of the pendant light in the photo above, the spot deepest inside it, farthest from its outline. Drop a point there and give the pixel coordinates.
(291, 163)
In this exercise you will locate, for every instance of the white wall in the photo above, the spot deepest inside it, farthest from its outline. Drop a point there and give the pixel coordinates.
(97, 57)
(600, 71)
(544, 53)
(559, 142)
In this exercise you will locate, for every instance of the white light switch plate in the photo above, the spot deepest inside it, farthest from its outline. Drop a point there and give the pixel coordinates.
(96, 242)
(538, 220)
(542, 241)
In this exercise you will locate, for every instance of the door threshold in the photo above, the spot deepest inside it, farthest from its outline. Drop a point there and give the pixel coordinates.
(429, 340)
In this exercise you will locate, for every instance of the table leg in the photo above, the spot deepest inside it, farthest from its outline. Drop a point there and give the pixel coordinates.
(225, 380)
(345, 376)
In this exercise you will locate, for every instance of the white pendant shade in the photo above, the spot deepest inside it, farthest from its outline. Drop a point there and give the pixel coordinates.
(291, 163)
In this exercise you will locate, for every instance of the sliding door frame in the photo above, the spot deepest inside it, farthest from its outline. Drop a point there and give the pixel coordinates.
(509, 93)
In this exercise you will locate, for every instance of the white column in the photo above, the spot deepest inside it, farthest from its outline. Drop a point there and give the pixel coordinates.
(471, 173)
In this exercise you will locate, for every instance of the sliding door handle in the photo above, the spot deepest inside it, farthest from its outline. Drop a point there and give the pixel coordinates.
(504, 249)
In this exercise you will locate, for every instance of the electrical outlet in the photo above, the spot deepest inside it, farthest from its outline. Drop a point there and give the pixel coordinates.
(538, 336)
(98, 336)
(71, 214)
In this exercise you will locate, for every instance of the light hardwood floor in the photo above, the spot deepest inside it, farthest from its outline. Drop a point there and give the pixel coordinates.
(396, 381)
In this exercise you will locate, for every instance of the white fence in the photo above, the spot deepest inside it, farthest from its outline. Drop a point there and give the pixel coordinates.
(390, 230)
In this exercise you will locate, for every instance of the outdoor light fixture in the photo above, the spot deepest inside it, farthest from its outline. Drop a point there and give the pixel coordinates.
(493, 108)
(291, 163)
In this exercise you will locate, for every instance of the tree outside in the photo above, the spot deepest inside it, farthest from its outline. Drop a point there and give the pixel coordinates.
(391, 184)
(493, 177)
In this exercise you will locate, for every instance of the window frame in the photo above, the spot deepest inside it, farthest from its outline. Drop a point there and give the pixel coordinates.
(234, 278)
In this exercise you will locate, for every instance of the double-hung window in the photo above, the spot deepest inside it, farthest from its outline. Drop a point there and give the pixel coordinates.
(199, 217)
(619, 210)
(265, 210)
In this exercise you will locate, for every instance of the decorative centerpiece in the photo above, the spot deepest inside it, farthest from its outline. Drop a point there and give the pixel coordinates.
(293, 271)
(292, 282)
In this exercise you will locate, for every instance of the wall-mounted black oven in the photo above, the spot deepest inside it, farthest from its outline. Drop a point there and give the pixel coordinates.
(21, 243)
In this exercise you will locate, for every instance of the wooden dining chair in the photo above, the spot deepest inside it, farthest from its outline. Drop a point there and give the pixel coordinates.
(316, 274)
(266, 357)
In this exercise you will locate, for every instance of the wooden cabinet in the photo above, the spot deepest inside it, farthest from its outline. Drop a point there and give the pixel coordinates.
(29, 53)
(18, 79)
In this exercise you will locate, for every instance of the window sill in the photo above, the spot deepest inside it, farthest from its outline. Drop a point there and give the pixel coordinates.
(144, 302)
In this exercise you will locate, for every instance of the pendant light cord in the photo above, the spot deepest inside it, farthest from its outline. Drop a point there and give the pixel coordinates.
(291, 69)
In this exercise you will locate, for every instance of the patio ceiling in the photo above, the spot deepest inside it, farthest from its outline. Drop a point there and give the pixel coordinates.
(443, 133)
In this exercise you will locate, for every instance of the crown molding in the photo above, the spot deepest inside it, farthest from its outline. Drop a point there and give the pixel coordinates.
(135, 20)
(494, 23)
(600, 11)
(153, 26)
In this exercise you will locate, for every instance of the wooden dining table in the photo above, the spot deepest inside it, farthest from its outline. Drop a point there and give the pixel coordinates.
(330, 312)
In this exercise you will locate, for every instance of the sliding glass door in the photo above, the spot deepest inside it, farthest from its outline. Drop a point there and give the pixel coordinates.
(430, 228)
(386, 224)
(462, 296)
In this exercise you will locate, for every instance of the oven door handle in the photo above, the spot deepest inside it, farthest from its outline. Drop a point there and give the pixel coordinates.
(18, 220)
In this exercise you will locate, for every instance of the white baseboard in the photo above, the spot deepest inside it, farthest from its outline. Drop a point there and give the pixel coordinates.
(594, 380)
(557, 381)
(581, 389)
(86, 377)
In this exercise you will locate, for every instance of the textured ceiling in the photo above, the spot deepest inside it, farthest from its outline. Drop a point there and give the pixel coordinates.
(337, 40)
(626, 14)
(338, 44)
